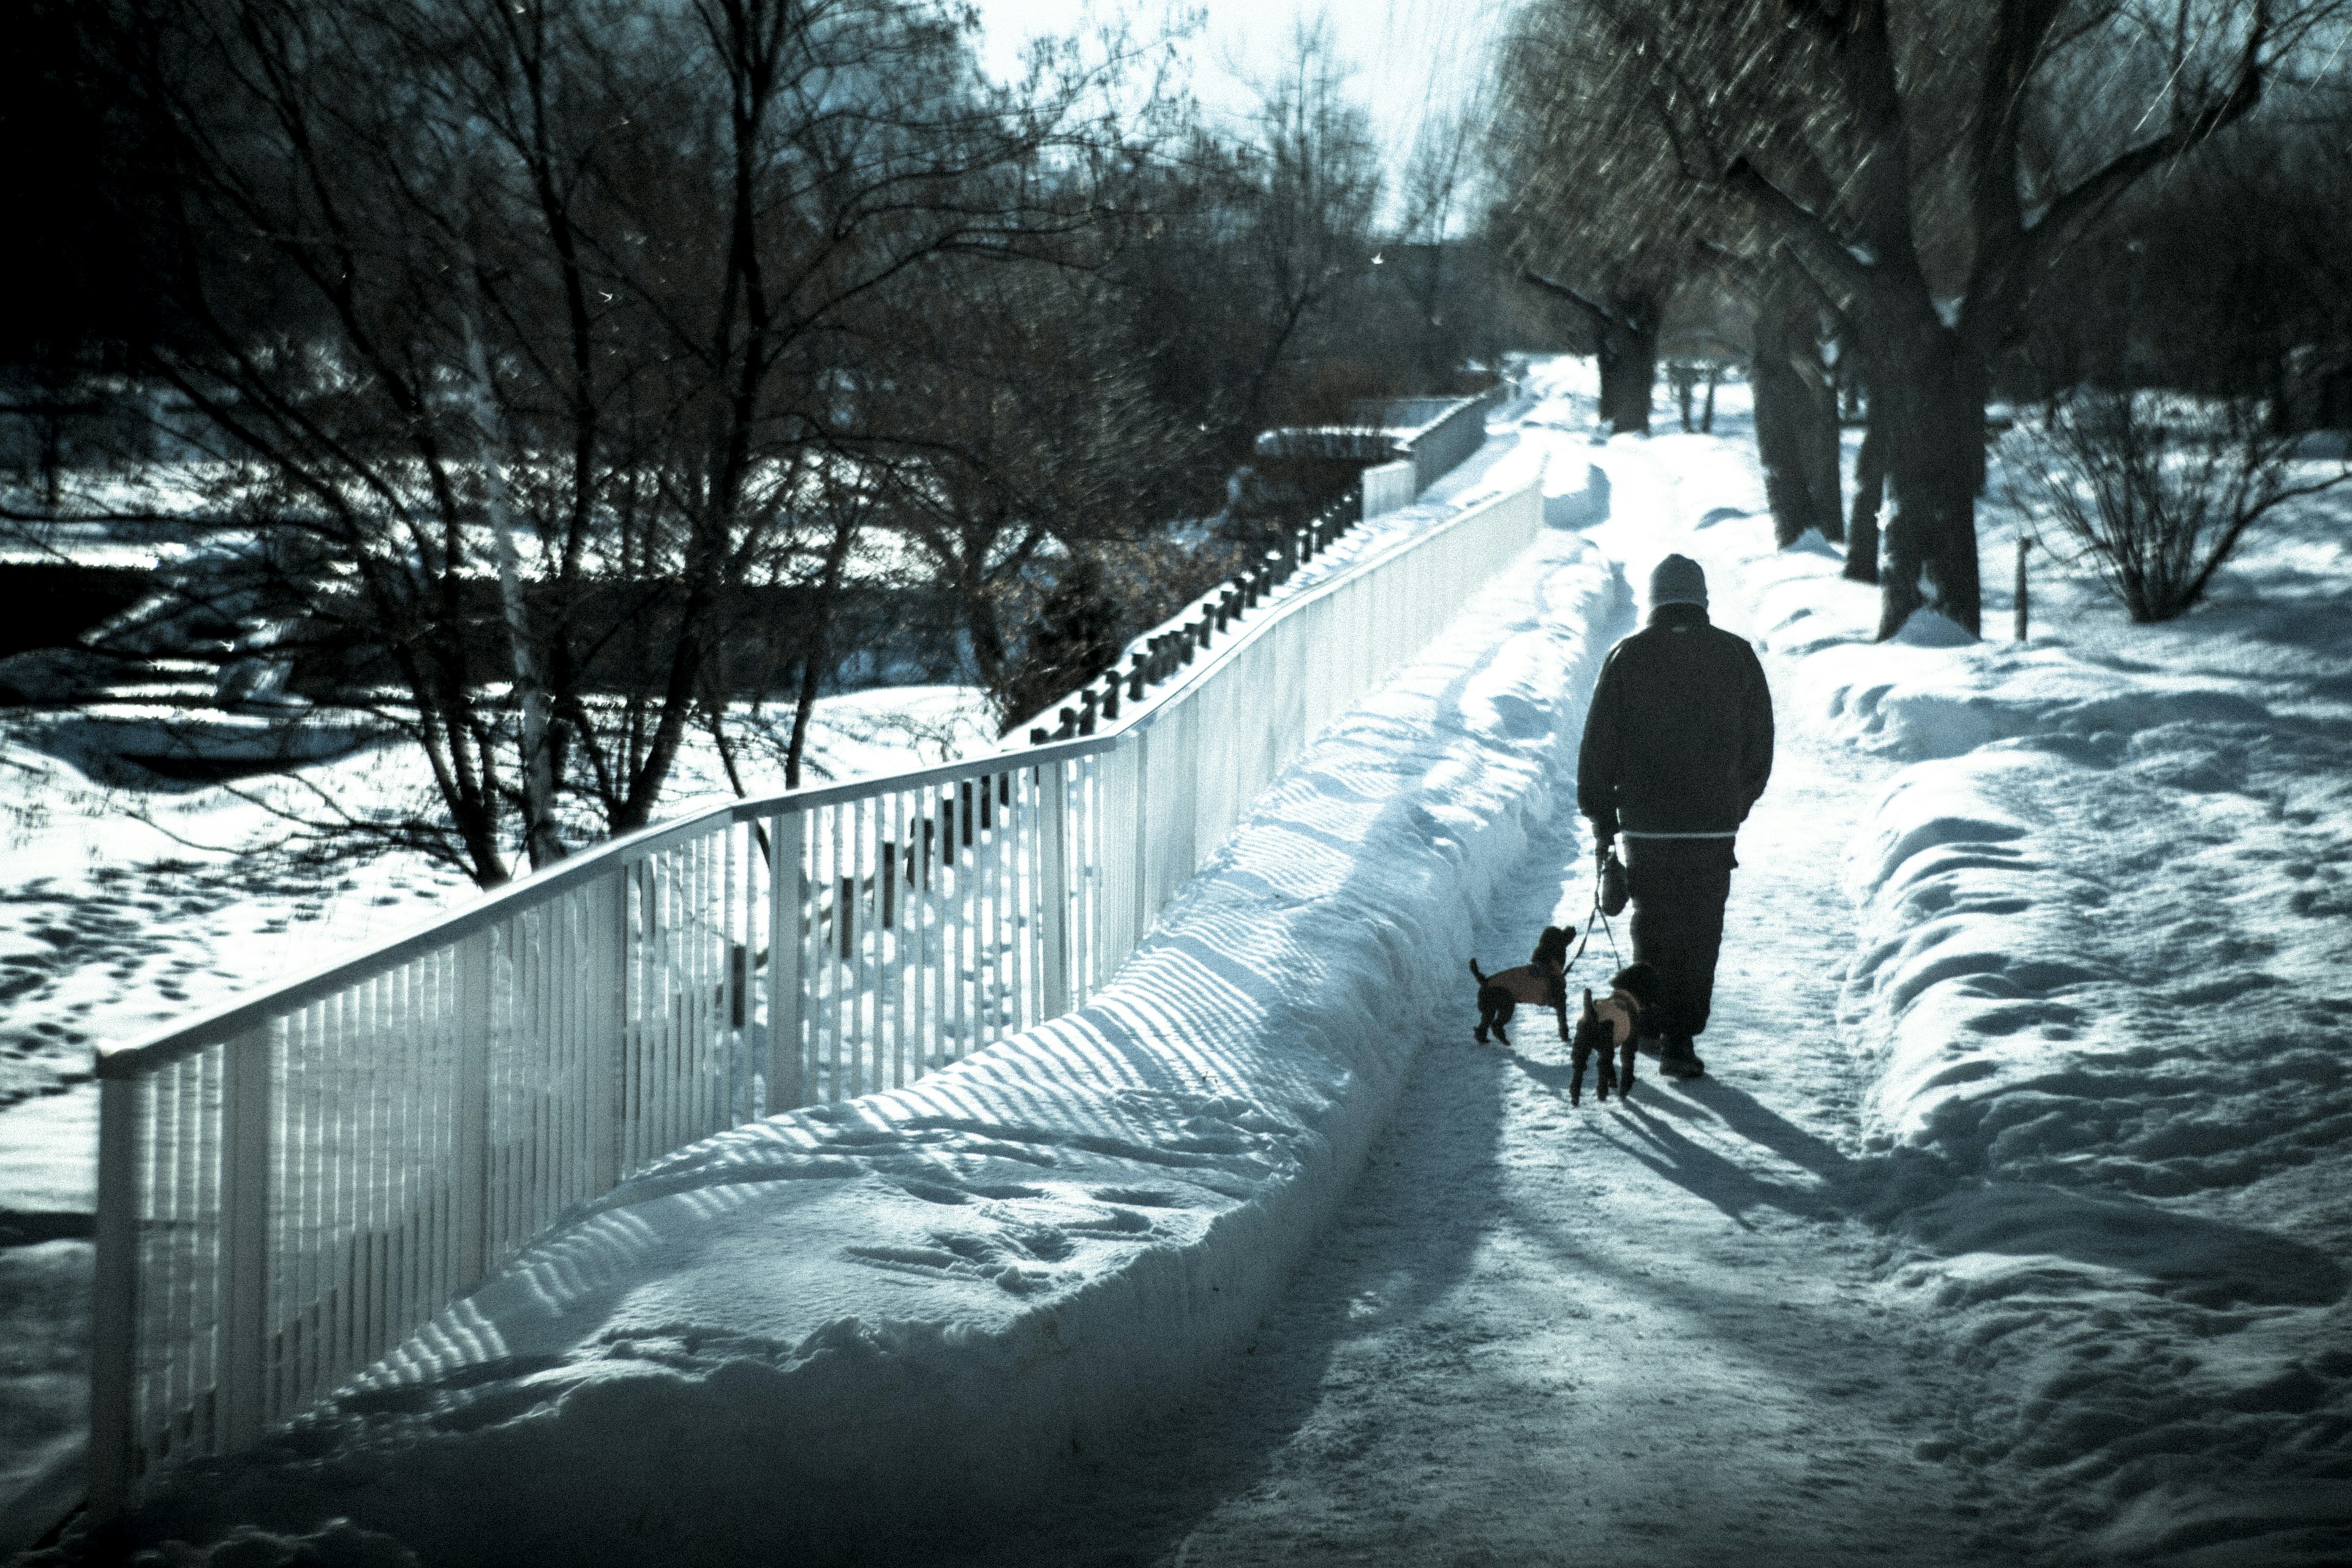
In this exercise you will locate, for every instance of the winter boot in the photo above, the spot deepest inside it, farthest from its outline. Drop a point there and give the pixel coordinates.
(1677, 1060)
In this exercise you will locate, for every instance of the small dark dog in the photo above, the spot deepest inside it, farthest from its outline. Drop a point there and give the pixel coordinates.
(1609, 1027)
(1540, 982)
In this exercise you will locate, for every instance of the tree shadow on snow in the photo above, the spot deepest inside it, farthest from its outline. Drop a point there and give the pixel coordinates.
(1407, 1232)
(1403, 1237)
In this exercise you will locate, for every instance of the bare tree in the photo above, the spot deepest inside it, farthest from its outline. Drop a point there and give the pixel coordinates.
(1313, 171)
(644, 262)
(1924, 166)
(1601, 218)
(2158, 491)
(1048, 454)
(1796, 410)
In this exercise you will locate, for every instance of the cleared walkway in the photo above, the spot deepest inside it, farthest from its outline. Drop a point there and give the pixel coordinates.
(1626, 1333)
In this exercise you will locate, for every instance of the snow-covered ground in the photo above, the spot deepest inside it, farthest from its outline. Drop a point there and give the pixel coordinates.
(121, 909)
(2007, 1226)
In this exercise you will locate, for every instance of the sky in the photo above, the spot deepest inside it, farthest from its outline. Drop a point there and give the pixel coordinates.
(1409, 55)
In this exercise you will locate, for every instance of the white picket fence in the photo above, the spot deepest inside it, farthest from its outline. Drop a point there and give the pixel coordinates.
(292, 1184)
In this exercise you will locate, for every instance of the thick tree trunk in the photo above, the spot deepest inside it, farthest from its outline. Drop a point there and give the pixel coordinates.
(1819, 452)
(1930, 399)
(1628, 352)
(1796, 421)
(1869, 487)
(1629, 365)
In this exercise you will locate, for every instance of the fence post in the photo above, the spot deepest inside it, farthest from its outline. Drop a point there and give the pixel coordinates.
(114, 1351)
(608, 912)
(2023, 545)
(1053, 886)
(472, 1177)
(1139, 851)
(788, 836)
(249, 1099)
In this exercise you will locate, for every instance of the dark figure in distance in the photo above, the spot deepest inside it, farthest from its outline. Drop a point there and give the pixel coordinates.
(1677, 746)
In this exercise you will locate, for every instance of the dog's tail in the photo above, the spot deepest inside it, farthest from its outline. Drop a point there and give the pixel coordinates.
(1479, 972)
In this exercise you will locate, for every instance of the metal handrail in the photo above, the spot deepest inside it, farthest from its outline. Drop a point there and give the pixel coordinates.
(585, 865)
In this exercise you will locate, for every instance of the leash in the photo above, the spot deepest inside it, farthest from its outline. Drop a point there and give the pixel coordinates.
(1599, 860)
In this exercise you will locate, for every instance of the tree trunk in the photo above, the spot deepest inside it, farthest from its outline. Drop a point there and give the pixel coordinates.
(1796, 421)
(541, 837)
(1629, 365)
(990, 659)
(819, 645)
(804, 708)
(1930, 398)
(1869, 486)
(1628, 349)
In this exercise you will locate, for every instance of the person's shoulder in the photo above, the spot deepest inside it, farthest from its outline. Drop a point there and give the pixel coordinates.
(1653, 635)
(1729, 641)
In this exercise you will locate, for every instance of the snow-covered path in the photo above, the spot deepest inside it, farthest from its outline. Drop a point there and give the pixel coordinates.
(1632, 1334)
(2005, 1229)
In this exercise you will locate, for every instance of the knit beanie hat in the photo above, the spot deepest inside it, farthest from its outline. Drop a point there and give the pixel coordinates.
(1678, 579)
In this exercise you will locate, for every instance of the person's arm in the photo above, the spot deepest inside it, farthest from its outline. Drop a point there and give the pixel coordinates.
(1755, 734)
(1599, 760)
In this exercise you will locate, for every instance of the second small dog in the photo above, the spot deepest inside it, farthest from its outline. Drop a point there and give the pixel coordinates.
(1540, 982)
(1609, 1027)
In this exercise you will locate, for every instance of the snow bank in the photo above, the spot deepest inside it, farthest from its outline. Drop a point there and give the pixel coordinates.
(2101, 987)
(121, 908)
(913, 1305)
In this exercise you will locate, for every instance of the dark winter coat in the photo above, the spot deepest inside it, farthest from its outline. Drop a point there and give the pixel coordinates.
(1679, 737)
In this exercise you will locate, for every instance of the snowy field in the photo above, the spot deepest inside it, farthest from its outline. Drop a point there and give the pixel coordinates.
(2008, 1225)
(121, 909)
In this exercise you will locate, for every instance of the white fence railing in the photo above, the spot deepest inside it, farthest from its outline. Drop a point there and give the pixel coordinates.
(1439, 446)
(293, 1183)
(1388, 487)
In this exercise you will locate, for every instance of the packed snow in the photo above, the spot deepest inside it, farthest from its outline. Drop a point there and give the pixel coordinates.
(2007, 1224)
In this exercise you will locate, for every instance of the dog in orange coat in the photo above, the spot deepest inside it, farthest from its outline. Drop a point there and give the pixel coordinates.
(1609, 1027)
(1540, 982)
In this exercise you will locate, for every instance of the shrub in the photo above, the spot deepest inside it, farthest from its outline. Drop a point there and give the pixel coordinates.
(2155, 488)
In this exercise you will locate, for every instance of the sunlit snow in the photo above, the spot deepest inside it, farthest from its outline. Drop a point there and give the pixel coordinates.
(2008, 1221)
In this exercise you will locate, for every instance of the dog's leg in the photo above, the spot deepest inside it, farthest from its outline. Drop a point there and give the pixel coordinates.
(1503, 1011)
(1626, 1073)
(1578, 1055)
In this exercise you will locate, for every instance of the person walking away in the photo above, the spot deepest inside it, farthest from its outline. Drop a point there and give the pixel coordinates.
(1678, 747)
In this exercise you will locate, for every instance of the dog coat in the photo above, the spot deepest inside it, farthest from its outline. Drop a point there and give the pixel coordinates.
(1526, 983)
(1621, 1013)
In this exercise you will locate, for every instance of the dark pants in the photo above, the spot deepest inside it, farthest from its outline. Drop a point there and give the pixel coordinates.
(1679, 887)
